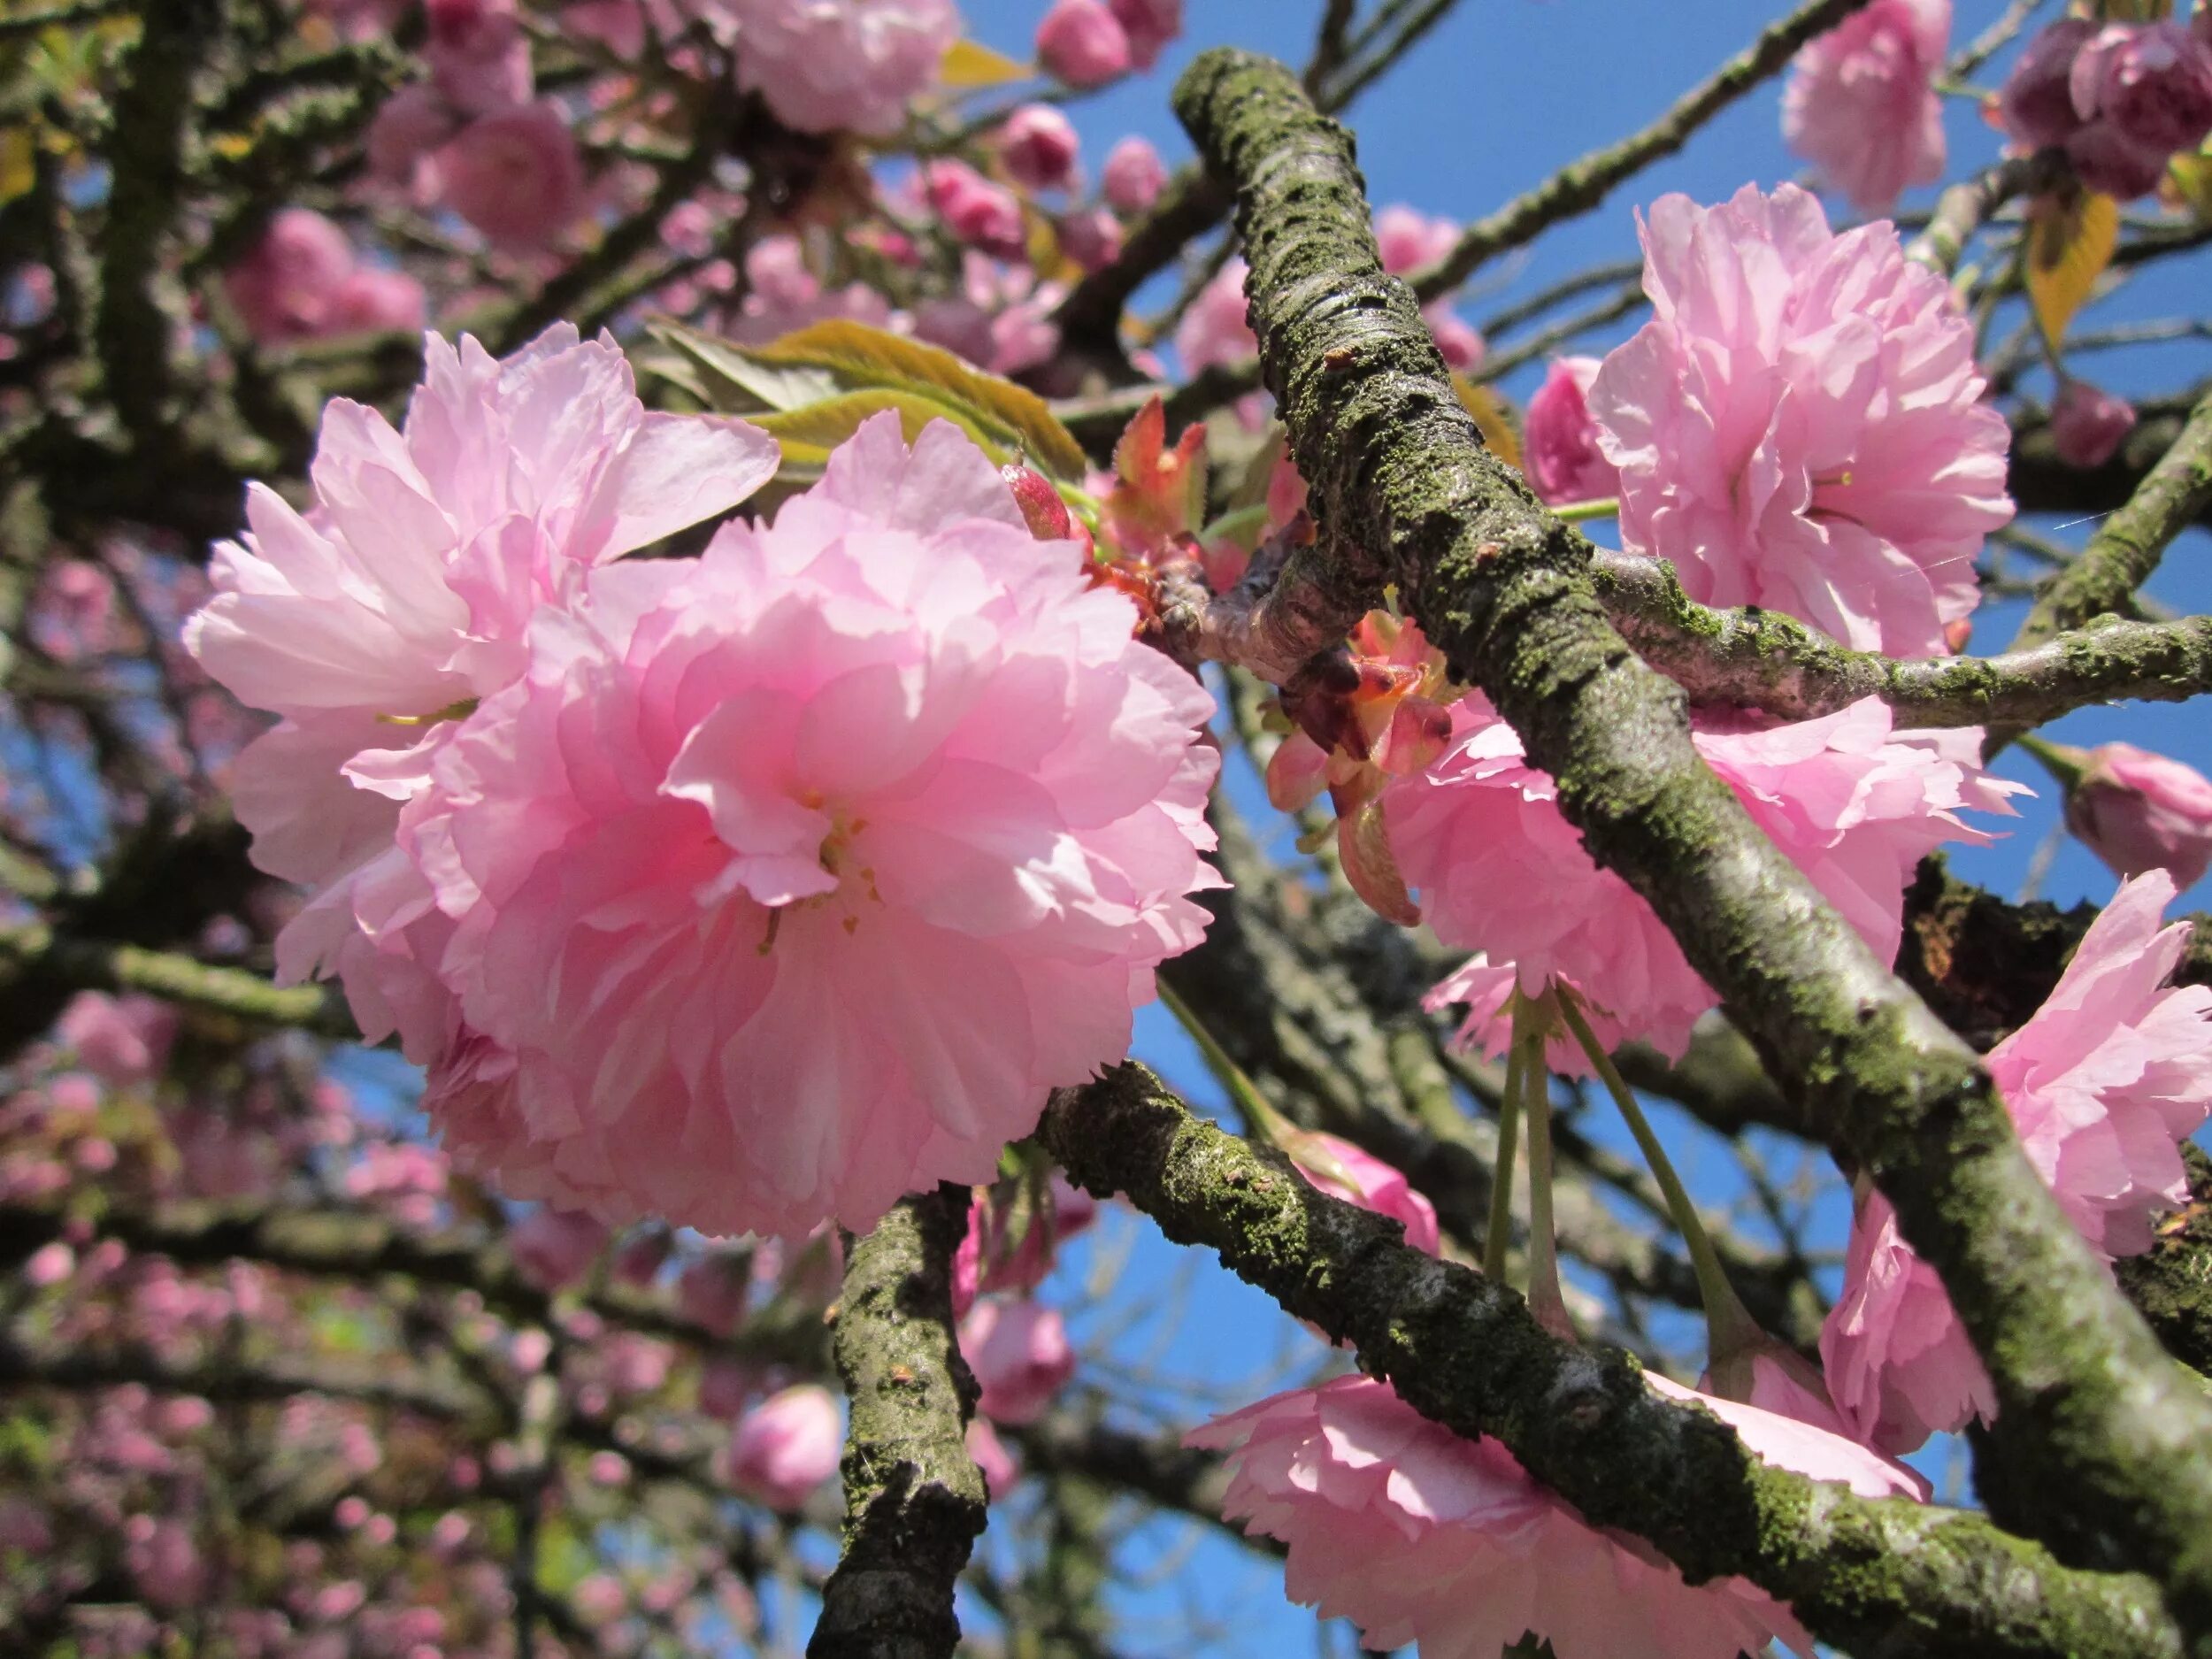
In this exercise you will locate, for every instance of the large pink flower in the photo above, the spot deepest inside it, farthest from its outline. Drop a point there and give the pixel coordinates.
(401, 599)
(831, 66)
(1854, 805)
(1861, 105)
(2111, 1074)
(1419, 1536)
(1800, 426)
(791, 878)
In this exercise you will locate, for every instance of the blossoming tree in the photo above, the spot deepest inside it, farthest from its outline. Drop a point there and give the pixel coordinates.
(649, 648)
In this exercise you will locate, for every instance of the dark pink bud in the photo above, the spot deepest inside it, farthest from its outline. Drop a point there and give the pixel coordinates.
(1042, 509)
(1082, 43)
(2088, 424)
(2037, 105)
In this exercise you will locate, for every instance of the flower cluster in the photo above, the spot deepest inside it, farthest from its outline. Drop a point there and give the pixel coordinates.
(2121, 98)
(560, 809)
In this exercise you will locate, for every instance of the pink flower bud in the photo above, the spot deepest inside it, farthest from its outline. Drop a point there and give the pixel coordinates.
(1559, 439)
(2037, 105)
(1092, 239)
(1150, 25)
(554, 1248)
(978, 213)
(1457, 342)
(2088, 424)
(516, 175)
(122, 1040)
(1020, 1354)
(1038, 146)
(479, 56)
(785, 1446)
(1407, 238)
(1082, 43)
(409, 128)
(2141, 811)
(164, 1560)
(1133, 176)
(1041, 507)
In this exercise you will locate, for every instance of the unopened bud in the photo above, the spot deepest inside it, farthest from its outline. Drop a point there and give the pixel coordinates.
(1041, 507)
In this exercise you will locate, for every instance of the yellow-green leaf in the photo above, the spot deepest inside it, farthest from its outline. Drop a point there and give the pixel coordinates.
(19, 168)
(1491, 418)
(807, 435)
(2191, 174)
(969, 63)
(1015, 416)
(2070, 239)
(733, 379)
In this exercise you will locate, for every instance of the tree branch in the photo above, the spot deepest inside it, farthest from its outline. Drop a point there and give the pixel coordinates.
(914, 1499)
(1889, 1576)
(1503, 589)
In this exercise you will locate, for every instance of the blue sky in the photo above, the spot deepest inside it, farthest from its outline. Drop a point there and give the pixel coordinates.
(1502, 93)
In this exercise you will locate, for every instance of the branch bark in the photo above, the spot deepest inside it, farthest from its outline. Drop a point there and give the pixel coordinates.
(1503, 588)
(914, 1499)
(1886, 1577)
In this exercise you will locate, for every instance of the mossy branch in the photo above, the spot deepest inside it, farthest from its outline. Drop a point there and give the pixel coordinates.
(914, 1499)
(2127, 547)
(1582, 184)
(1504, 590)
(34, 951)
(1767, 660)
(1886, 1577)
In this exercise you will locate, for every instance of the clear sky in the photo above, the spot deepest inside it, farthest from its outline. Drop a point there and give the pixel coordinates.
(1502, 93)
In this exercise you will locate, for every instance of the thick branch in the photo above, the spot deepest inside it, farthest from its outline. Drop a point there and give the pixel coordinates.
(1581, 185)
(80, 965)
(1767, 660)
(914, 1499)
(1503, 588)
(1888, 1576)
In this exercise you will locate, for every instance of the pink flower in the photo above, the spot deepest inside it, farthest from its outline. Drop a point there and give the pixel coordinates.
(1133, 176)
(48, 1265)
(479, 56)
(517, 175)
(2088, 424)
(2037, 103)
(1020, 1354)
(1082, 43)
(165, 1562)
(2143, 91)
(1898, 1362)
(1419, 1536)
(944, 827)
(283, 287)
(784, 1447)
(2113, 1072)
(1217, 328)
(976, 211)
(1409, 239)
(411, 128)
(122, 1040)
(1854, 805)
(404, 598)
(1150, 25)
(1038, 146)
(1861, 105)
(375, 298)
(2104, 1082)
(1800, 426)
(1000, 1471)
(1344, 1170)
(1007, 1248)
(839, 68)
(2139, 812)
(554, 1248)
(1559, 441)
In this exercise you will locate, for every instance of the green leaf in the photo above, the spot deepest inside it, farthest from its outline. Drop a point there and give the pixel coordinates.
(808, 436)
(862, 357)
(733, 379)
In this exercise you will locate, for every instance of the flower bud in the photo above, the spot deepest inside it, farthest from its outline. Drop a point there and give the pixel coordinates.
(1038, 146)
(1021, 1357)
(1082, 43)
(1559, 439)
(1150, 25)
(1042, 508)
(2141, 811)
(785, 1446)
(1133, 176)
(2088, 424)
